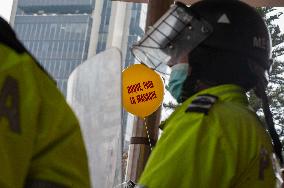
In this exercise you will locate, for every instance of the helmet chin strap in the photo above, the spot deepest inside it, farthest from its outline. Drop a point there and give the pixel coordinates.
(260, 91)
(189, 87)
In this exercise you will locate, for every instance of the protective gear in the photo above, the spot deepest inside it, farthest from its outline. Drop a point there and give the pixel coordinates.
(175, 34)
(240, 39)
(237, 52)
(245, 34)
(178, 76)
(217, 142)
(40, 140)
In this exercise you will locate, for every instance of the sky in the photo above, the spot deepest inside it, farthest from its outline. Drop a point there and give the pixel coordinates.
(5, 9)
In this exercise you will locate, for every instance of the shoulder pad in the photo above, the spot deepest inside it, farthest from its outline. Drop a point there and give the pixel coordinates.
(202, 103)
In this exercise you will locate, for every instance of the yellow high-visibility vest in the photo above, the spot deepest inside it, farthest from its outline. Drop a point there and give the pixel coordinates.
(40, 138)
(215, 142)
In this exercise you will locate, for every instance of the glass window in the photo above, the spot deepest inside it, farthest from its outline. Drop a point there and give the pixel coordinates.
(66, 49)
(76, 50)
(59, 84)
(57, 30)
(18, 30)
(48, 52)
(71, 66)
(30, 30)
(23, 30)
(53, 53)
(67, 52)
(39, 50)
(45, 46)
(27, 31)
(54, 50)
(64, 73)
(84, 30)
(61, 69)
(67, 35)
(68, 32)
(42, 62)
(52, 31)
(61, 31)
(61, 46)
(72, 31)
(38, 32)
(47, 32)
(59, 42)
(31, 47)
(67, 69)
(47, 65)
(75, 63)
(44, 32)
(51, 68)
(57, 68)
(61, 63)
(64, 87)
(71, 50)
(26, 44)
(81, 50)
(35, 49)
(60, 50)
(35, 32)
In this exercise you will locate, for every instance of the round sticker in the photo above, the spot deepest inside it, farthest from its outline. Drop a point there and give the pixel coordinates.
(142, 91)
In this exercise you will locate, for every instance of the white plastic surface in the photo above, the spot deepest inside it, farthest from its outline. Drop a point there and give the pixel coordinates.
(94, 92)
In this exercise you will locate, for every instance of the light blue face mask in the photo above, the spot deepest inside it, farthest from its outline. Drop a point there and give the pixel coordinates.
(178, 76)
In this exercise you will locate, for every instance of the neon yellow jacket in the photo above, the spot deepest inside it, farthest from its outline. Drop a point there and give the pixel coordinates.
(40, 139)
(228, 147)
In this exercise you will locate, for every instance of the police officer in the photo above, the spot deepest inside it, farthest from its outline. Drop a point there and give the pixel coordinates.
(41, 144)
(214, 139)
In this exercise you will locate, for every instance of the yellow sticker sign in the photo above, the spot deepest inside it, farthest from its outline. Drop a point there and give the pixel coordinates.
(142, 91)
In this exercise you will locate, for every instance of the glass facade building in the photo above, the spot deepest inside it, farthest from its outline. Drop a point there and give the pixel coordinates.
(57, 33)
(104, 26)
(135, 31)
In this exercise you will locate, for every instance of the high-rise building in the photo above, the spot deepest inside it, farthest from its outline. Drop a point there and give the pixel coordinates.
(61, 34)
(56, 32)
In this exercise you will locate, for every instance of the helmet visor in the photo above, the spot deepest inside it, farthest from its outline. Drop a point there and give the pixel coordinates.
(175, 34)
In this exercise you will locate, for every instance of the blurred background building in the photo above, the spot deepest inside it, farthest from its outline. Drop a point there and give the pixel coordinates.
(56, 32)
(62, 34)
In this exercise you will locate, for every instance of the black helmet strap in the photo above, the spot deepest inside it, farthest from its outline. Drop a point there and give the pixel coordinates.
(260, 91)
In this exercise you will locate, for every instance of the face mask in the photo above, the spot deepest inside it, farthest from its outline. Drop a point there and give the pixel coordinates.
(177, 78)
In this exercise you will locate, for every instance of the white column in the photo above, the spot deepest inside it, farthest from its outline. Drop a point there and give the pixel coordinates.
(96, 15)
(13, 12)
